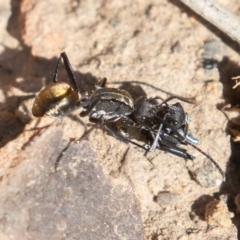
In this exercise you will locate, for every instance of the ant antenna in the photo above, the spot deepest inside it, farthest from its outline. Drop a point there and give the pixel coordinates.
(191, 100)
(194, 146)
(210, 158)
(187, 100)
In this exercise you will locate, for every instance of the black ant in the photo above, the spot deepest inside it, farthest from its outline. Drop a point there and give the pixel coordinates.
(157, 125)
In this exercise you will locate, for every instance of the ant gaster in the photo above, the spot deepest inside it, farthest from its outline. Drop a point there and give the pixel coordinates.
(158, 125)
(59, 97)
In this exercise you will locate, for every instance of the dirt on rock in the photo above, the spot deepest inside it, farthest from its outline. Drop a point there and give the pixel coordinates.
(96, 190)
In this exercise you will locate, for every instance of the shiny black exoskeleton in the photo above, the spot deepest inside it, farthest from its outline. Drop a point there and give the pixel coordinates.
(161, 126)
(106, 104)
(157, 125)
(164, 128)
(163, 118)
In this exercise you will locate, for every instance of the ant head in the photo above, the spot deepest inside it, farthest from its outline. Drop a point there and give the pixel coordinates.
(55, 100)
(176, 115)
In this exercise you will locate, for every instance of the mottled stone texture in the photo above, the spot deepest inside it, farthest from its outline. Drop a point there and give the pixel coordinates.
(96, 193)
(74, 201)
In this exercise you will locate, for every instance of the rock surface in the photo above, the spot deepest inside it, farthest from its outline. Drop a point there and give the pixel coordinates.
(94, 193)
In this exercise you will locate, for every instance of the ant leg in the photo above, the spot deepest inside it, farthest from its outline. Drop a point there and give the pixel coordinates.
(62, 153)
(85, 135)
(155, 98)
(69, 71)
(103, 82)
(118, 136)
(55, 76)
(84, 113)
(185, 137)
(169, 144)
(154, 145)
(100, 85)
(123, 159)
(180, 152)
